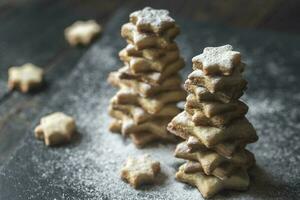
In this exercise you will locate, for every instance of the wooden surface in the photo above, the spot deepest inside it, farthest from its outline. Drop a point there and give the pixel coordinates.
(32, 31)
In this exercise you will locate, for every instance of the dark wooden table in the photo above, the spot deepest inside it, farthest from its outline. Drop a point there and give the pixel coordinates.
(32, 31)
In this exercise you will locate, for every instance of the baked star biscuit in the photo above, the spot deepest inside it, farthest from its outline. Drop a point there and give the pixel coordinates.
(212, 108)
(202, 94)
(140, 170)
(148, 40)
(151, 105)
(225, 149)
(25, 77)
(55, 129)
(211, 160)
(139, 115)
(157, 127)
(140, 139)
(144, 89)
(153, 78)
(222, 172)
(217, 60)
(152, 20)
(227, 85)
(140, 64)
(151, 53)
(210, 185)
(240, 129)
(82, 32)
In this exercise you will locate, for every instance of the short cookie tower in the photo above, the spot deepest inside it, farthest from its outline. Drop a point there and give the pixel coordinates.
(149, 84)
(214, 125)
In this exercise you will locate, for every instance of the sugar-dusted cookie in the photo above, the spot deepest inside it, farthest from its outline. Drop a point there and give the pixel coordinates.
(228, 86)
(153, 78)
(144, 89)
(146, 40)
(140, 64)
(140, 139)
(128, 126)
(152, 20)
(153, 104)
(210, 185)
(240, 129)
(140, 170)
(139, 115)
(82, 32)
(25, 77)
(225, 149)
(150, 54)
(211, 108)
(211, 160)
(217, 60)
(56, 128)
(204, 94)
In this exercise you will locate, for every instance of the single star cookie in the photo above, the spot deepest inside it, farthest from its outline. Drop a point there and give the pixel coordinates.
(56, 128)
(82, 32)
(152, 20)
(25, 77)
(217, 60)
(140, 170)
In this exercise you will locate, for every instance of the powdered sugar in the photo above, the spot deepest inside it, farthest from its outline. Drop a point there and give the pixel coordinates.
(156, 18)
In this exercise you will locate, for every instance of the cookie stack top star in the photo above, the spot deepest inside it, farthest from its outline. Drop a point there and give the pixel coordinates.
(149, 83)
(214, 125)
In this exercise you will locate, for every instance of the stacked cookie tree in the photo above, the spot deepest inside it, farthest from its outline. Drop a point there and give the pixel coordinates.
(149, 82)
(214, 125)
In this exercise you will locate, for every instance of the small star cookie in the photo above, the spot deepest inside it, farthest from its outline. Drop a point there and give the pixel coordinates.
(25, 77)
(152, 20)
(56, 128)
(217, 60)
(140, 170)
(82, 32)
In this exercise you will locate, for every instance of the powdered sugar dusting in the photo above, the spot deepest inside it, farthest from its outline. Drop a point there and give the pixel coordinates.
(222, 56)
(157, 18)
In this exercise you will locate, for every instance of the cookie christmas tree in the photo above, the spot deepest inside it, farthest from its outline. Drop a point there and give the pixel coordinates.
(213, 124)
(149, 84)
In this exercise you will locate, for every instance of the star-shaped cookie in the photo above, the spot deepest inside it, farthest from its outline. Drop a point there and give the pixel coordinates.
(56, 128)
(152, 20)
(217, 60)
(140, 170)
(82, 32)
(25, 77)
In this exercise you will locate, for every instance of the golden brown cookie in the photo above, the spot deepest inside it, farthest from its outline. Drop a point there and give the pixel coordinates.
(56, 128)
(140, 170)
(140, 64)
(151, 53)
(212, 108)
(240, 129)
(204, 94)
(25, 77)
(144, 89)
(228, 86)
(139, 115)
(153, 78)
(82, 32)
(217, 60)
(210, 160)
(151, 105)
(210, 185)
(226, 149)
(152, 20)
(148, 40)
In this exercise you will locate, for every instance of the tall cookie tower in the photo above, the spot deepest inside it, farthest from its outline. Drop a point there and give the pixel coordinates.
(214, 125)
(149, 84)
